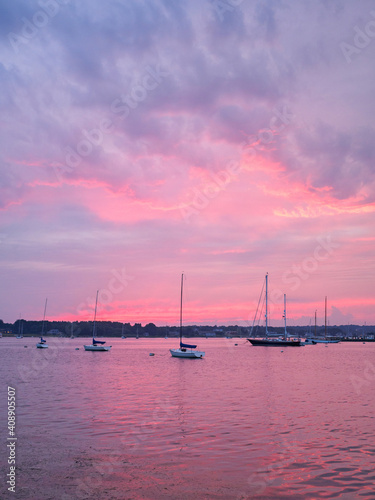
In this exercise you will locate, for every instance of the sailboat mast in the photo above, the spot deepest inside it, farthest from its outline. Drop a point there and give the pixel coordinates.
(315, 325)
(325, 318)
(285, 334)
(182, 287)
(44, 316)
(96, 304)
(267, 305)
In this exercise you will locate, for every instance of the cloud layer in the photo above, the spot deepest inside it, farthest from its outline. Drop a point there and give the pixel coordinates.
(219, 139)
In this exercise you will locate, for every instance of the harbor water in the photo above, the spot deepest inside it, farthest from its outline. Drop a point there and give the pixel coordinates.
(242, 423)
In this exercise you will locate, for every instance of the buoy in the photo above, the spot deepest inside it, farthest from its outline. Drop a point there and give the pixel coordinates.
(235, 344)
(26, 345)
(77, 348)
(151, 354)
(281, 351)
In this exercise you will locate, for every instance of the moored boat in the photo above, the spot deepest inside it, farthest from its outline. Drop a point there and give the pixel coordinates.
(274, 341)
(185, 350)
(43, 343)
(325, 340)
(97, 345)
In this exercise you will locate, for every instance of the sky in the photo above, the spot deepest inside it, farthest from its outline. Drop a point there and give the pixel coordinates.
(221, 139)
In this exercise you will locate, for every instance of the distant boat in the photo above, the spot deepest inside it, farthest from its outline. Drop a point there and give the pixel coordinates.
(71, 330)
(42, 344)
(309, 341)
(97, 345)
(20, 329)
(325, 340)
(122, 332)
(185, 350)
(274, 341)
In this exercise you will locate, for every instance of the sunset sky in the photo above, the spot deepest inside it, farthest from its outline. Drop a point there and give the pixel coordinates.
(222, 139)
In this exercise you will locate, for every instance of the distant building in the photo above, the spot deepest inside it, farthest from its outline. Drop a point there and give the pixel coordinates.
(54, 331)
(208, 334)
(5, 331)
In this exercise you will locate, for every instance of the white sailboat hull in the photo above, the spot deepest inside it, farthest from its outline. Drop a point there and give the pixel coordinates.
(41, 346)
(97, 347)
(186, 353)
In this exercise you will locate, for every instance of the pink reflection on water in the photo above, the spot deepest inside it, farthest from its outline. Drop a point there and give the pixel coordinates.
(244, 422)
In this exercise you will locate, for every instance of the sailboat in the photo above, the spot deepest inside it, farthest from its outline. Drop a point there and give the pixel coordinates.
(275, 341)
(319, 340)
(97, 345)
(185, 350)
(308, 339)
(43, 343)
(20, 329)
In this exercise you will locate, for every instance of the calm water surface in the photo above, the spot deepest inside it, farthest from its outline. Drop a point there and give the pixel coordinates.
(244, 422)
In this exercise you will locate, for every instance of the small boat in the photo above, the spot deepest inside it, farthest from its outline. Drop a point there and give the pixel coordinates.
(185, 350)
(317, 340)
(325, 340)
(72, 330)
(97, 345)
(309, 341)
(274, 341)
(43, 343)
(20, 329)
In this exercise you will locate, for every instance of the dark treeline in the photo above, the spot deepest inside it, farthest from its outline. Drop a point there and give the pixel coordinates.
(113, 329)
(117, 329)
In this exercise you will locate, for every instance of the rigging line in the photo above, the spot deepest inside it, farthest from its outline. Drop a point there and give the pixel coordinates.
(260, 297)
